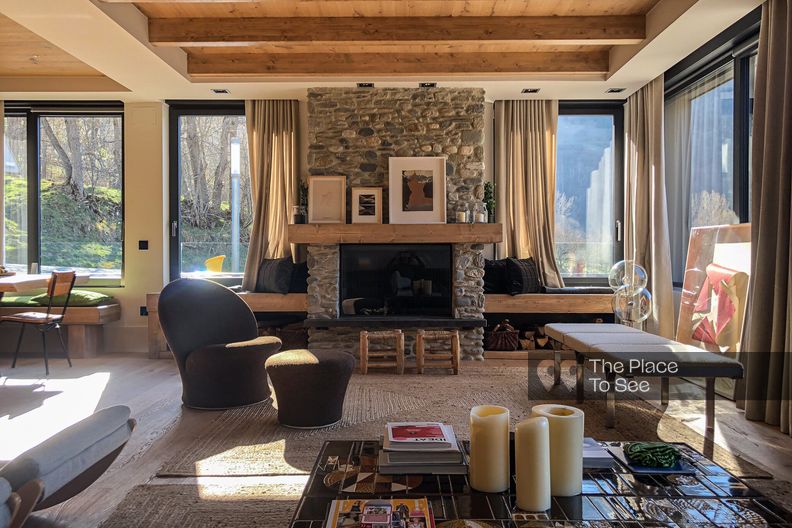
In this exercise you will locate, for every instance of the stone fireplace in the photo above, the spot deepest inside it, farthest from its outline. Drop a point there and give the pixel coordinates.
(353, 132)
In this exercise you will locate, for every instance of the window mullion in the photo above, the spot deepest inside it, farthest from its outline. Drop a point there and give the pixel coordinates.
(33, 209)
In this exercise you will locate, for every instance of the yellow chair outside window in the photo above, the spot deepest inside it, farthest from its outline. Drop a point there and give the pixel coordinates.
(215, 264)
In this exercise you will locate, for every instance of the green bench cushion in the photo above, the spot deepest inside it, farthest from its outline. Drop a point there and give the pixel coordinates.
(18, 300)
(78, 298)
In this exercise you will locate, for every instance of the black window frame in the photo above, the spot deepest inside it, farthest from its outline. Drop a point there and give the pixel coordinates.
(613, 108)
(177, 109)
(735, 45)
(32, 111)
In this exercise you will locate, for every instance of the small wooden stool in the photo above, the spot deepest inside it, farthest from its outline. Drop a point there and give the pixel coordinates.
(440, 359)
(386, 358)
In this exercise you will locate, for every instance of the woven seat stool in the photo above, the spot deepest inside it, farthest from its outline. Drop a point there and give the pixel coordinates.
(385, 357)
(425, 356)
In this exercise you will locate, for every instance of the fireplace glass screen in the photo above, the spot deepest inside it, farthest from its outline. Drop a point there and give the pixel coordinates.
(396, 280)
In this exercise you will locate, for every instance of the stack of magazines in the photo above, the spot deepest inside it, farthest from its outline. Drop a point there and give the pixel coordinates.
(364, 513)
(416, 448)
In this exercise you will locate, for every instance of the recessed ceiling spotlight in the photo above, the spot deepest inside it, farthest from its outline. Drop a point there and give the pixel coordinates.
(220, 91)
(615, 90)
(365, 85)
(34, 59)
(427, 85)
(530, 90)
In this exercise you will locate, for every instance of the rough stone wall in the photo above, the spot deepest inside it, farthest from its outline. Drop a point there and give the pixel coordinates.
(353, 132)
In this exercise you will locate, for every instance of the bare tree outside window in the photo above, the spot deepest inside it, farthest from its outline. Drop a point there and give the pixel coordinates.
(80, 175)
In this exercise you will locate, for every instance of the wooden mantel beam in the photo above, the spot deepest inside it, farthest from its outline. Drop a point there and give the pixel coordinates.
(398, 64)
(594, 30)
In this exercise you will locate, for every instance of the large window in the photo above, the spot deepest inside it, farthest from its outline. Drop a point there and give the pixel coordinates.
(211, 206)
(589, 199)
(64, 190)
(708, 118)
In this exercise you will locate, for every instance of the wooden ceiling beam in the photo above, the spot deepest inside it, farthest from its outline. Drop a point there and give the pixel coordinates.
(187, 32)
(395, 64)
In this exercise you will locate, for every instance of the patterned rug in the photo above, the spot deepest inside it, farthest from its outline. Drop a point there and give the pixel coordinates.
(189, 506)
(249, 441)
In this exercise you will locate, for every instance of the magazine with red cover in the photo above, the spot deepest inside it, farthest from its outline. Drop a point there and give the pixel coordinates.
(417, 432)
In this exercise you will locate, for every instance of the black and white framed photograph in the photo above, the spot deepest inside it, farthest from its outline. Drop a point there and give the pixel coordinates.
(417, 190)
(366, 205)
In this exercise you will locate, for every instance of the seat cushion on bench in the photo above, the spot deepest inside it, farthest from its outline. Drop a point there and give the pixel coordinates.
(578, 290)
(77, 298)
(558, 330)
(585, 341)
(691, 361)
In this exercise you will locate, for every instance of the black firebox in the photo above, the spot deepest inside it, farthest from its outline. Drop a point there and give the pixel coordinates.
(396, 280)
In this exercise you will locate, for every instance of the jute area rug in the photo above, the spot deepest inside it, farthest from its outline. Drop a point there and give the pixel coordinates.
(249, 442)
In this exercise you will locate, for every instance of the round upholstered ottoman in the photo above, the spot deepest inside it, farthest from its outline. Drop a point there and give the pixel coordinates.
(310, 386)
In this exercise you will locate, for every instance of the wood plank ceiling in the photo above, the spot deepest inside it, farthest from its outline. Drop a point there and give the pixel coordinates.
(402, 38)
(25, 54)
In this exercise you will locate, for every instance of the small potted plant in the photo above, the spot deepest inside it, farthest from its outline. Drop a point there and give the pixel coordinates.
(489, 201)
(300, 211)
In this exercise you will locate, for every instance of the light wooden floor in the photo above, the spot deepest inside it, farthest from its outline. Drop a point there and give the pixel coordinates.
(33, 408)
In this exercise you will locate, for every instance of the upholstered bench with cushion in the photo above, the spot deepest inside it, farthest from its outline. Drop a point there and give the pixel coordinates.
(73, 459)
(86, 316)
(639, 354)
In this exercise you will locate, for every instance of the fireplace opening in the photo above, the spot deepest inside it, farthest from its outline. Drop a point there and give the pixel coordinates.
(396, 280)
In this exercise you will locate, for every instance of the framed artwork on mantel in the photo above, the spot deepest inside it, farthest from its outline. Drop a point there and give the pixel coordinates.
(417, 190)
(327, 200)
(366, 205)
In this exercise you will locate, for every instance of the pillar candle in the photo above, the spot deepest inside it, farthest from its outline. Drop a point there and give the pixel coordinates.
(532, 464)
(566, 447)
(489, 448)
(461, 217)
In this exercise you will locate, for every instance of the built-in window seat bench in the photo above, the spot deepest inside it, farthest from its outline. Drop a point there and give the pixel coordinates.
(529, 303)
(84, 324)
(619, 350)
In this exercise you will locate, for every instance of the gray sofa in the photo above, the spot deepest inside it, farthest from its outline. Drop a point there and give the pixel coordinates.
(73, 459)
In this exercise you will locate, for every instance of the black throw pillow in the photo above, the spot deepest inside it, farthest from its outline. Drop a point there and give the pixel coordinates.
(299, 278)
(523, 276)
(496, 278)
(274, 275)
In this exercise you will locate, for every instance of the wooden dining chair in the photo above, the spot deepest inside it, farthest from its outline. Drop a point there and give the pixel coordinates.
(61, 283)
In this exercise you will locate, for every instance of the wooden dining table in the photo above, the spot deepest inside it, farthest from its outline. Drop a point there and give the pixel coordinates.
(22, 282)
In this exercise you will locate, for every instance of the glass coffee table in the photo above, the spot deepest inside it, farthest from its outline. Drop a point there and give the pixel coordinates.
(707, 496)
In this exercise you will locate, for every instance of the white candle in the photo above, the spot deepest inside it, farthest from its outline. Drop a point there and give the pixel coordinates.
(480, 218)
(532, 464)
(566, 447)
(461, 217)
(489, 448)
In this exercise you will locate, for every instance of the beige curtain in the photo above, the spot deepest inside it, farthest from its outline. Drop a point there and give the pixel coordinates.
(272, 143)
(768, 355)
(525, 177)
(2, 183)
(646, 213)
